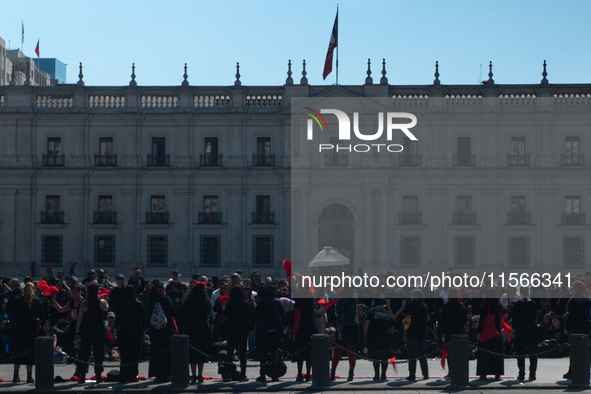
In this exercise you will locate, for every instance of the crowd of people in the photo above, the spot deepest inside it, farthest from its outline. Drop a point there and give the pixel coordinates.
(266, 318)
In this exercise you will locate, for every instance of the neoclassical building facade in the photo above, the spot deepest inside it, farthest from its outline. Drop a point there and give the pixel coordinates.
(199, 179)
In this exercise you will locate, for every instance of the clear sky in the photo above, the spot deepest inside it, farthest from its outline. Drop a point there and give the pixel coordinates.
(211, 36)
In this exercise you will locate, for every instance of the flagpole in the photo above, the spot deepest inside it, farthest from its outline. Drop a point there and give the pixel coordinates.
(337, 64)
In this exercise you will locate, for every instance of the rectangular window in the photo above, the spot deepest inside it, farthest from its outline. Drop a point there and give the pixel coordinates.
(463, 213)
(410, 210)
(104, 250)
(518, 214)
(211, 213)
(263, 156)
(518, 157)
(158, 213)
(571, 151)
(157, 250)
(105, 212)
(54, 146)
(464, 253)
(336, 158)
(53, 213)
(106, 146)
(210, 156)
(210, 251)
(263, 212)
(572, 213)
(51, 250)
(158, 204)
(573, 251)
(519, 251)
(410, 251)
(464, 149)
(158, 156)
(409, 156)
(262, 251)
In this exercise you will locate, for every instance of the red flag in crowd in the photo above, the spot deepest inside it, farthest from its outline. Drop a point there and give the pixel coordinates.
(331, 46)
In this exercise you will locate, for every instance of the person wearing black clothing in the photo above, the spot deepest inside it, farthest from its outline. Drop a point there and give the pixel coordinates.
(90, 327)
(131, 329)
(239, 324)
(117, 292)
(25, 315)
(72, 307)
(347, 332)
(378, 333)
(137, 280)
(578, 308)
(556, 330)
(415, 334)
(489, 337)
(194, 321)
(396, 304)
(525, 332)
(301, 334)
(160, 331)
(453, 317)
(176, 294)
(269, 331)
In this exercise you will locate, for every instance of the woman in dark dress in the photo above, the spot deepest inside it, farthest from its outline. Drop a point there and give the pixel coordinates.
(453, 317)
(160, 332)
(239, 324)
(194, 320)
(303, 329)
(489, 337)
(131, 329)
(269, 331)
(90, 327)
(347, 332)
(25, 316)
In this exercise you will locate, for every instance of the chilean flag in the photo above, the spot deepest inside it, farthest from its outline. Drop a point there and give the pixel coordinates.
(37, 48)
(331, 46)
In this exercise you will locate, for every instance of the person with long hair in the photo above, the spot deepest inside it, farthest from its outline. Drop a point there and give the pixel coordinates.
(269, 331)
(378, 333)
(489, 337)
(160, 317)
(416, 332)
(525, 332)
(90, 327)
(453, 316)
(72, 306)
(25, 315)
(46, 330)
(194, 321)
(131, 329)
(347, 332)
(239, 325)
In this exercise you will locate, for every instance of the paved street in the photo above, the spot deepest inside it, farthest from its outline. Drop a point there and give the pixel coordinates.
(549, 375)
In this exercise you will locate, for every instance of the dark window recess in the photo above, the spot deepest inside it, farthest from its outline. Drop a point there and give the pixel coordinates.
(463, 213)
(210, 251)
(263, 157)
(410, 210)
(518, 214)
(263, 213)
(211, 157)
(51, 250)
(157, 251)
(464, 252)
(158, 157)
(54, 156)
(572, 155)
(410, 251)
(464, 157)
(262, 251)
(519, 251)
(104, 250)
(158, 213)
(106, 157)
(210, 214)
(53, 213)
(573, 255)
(335, 158)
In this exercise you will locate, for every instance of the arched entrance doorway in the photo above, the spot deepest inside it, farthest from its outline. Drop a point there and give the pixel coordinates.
(336, 230)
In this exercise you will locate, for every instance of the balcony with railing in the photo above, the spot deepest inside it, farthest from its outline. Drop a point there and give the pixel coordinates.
(336, 160)
(52, 217)
(158, 160)
(54, 160)
(263, 160)
(210, 217)
(575, 219)
(105, 160)
(465, 218)
(464, 160)
(104, 217)
(518, 160)
(410, 218)
(157, 217)
(410, 160)
(518, 218)
(263, 217)
(572, 160)
(210, 160)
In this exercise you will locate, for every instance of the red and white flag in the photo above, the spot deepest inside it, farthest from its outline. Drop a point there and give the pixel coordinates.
(37, 48)
(331, 46)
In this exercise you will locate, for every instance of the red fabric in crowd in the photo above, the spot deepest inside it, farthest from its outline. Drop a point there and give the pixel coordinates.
(49, 291)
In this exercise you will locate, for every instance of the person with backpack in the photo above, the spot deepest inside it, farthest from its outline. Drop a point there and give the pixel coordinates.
(525, 332)
(269, 331)
(160, 330)
(239, 322)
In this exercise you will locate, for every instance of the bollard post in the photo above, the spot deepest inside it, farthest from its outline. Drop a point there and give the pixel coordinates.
(579, 359)
(320, 361)
(458, 360)
(179, 353)
(44, 363)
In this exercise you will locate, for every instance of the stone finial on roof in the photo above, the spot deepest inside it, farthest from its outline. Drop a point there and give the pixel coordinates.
(490, 74)
(237, 82)
(185, 76)
(80, 76)
(369, 79)
(544, 74)
(384, 79)
(436, 81)
(289, 80)
(304, 80)
(132, 82)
